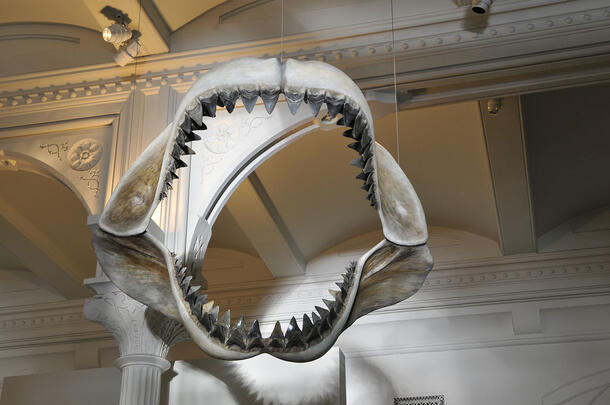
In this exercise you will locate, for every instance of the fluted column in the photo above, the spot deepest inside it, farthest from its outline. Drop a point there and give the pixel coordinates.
(144, 337)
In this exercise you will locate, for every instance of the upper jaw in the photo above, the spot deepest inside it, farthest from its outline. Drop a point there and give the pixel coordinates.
(129, 209)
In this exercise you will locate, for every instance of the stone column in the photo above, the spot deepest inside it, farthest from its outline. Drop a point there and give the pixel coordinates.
(144, 337)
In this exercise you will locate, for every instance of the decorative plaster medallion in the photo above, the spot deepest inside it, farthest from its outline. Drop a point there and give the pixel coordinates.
(222, 138)
(84, 154)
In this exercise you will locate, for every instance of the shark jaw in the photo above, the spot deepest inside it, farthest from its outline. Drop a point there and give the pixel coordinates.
(143, 268)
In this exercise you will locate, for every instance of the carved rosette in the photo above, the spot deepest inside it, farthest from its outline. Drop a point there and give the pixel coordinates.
(84, 154)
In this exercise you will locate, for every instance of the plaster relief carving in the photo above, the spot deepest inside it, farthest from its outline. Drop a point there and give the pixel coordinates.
(93, 181)
(55, 149)
(84, 154)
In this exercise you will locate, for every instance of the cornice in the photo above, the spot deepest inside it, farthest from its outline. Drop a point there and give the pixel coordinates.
(344, 49)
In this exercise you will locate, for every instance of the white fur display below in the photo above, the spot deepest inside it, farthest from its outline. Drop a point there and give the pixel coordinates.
(277, 382)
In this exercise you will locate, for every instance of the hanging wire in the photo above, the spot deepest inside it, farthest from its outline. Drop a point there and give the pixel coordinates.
(282, 35)
(395, 85)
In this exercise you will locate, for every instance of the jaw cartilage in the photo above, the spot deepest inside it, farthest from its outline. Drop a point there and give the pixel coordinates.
(403, 257)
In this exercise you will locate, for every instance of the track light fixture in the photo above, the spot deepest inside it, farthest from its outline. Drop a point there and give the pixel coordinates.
(481, 6)
(116, 34)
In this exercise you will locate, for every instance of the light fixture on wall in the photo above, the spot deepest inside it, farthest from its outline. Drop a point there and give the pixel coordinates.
(481, 6)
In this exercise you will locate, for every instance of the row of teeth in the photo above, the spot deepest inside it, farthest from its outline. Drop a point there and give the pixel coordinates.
(239, 337)
(352, 117)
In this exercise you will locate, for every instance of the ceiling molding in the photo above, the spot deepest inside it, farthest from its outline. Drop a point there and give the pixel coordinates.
(362, 55)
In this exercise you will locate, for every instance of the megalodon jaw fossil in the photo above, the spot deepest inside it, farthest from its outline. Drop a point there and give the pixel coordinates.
(147, 271)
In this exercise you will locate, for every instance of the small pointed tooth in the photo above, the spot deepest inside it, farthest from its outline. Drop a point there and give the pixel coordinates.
(196, 135)
(334, 108)
(229, 98)
(173, 175)
(366, 138)
(351, 268)
(219, 331)
(307, 325)
(162, 195)
(225, 320)
(362, 176)
(201, 300)
(366, 187)
(294, 100)
(186, 281)
(277, 331)
(360, 125)
(332, 315)
(237, 334)
(336, 294)
(214, 312)
(176, 152)
(348, 134)
(206, 320)
(358, 162)
(186, 150)
(371, 195)
(186, 125)
(293, 329)
(180, 163)
(208, 105)
(207, 307)
(270, 99)
(349, 115)
(196, 113)
(324, 326)
(346, 279)
(255, 331)
(357, 146)
(329, 304)
(192, 290)
(343, 290)
(368, 167)
(323, 312)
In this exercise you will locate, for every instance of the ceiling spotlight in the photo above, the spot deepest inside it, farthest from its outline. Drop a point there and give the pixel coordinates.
(116, 34)
(127, 53)
(481, 6)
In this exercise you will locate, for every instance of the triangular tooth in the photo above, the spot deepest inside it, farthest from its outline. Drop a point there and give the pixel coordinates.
(366, 186)
(347, 279)
(277, 332)
(162, 195)
(229, 98)
(357, 146)
(349, 133)
(255, 331)
(362, 176)
(323, 312)
(207, 307)
(351, 268)
(336, 294)
(219, 331)
(176, 151)
(180, 163)
(196, 113)
(343, 290)
(192, 290)
(368, 167)
(324, 326)
(237, 334)
(315, 318)
(168, 185)
(332, 315)
(214, 312)
(293, 329)
(195, 135)
(270, 99)
(366, 139)
(187, 124)
(249, 97)
(307, 325)
(358, 162)
(208, 105)
(186, 150)
(294, 101)
(225, 320)
(182, 271)
(334, 108)
(206, 320)
(201, 300)
(360, 125)
(349, 115)
(329, 304)
(315, 99)
(173, 175)
(186, 281)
